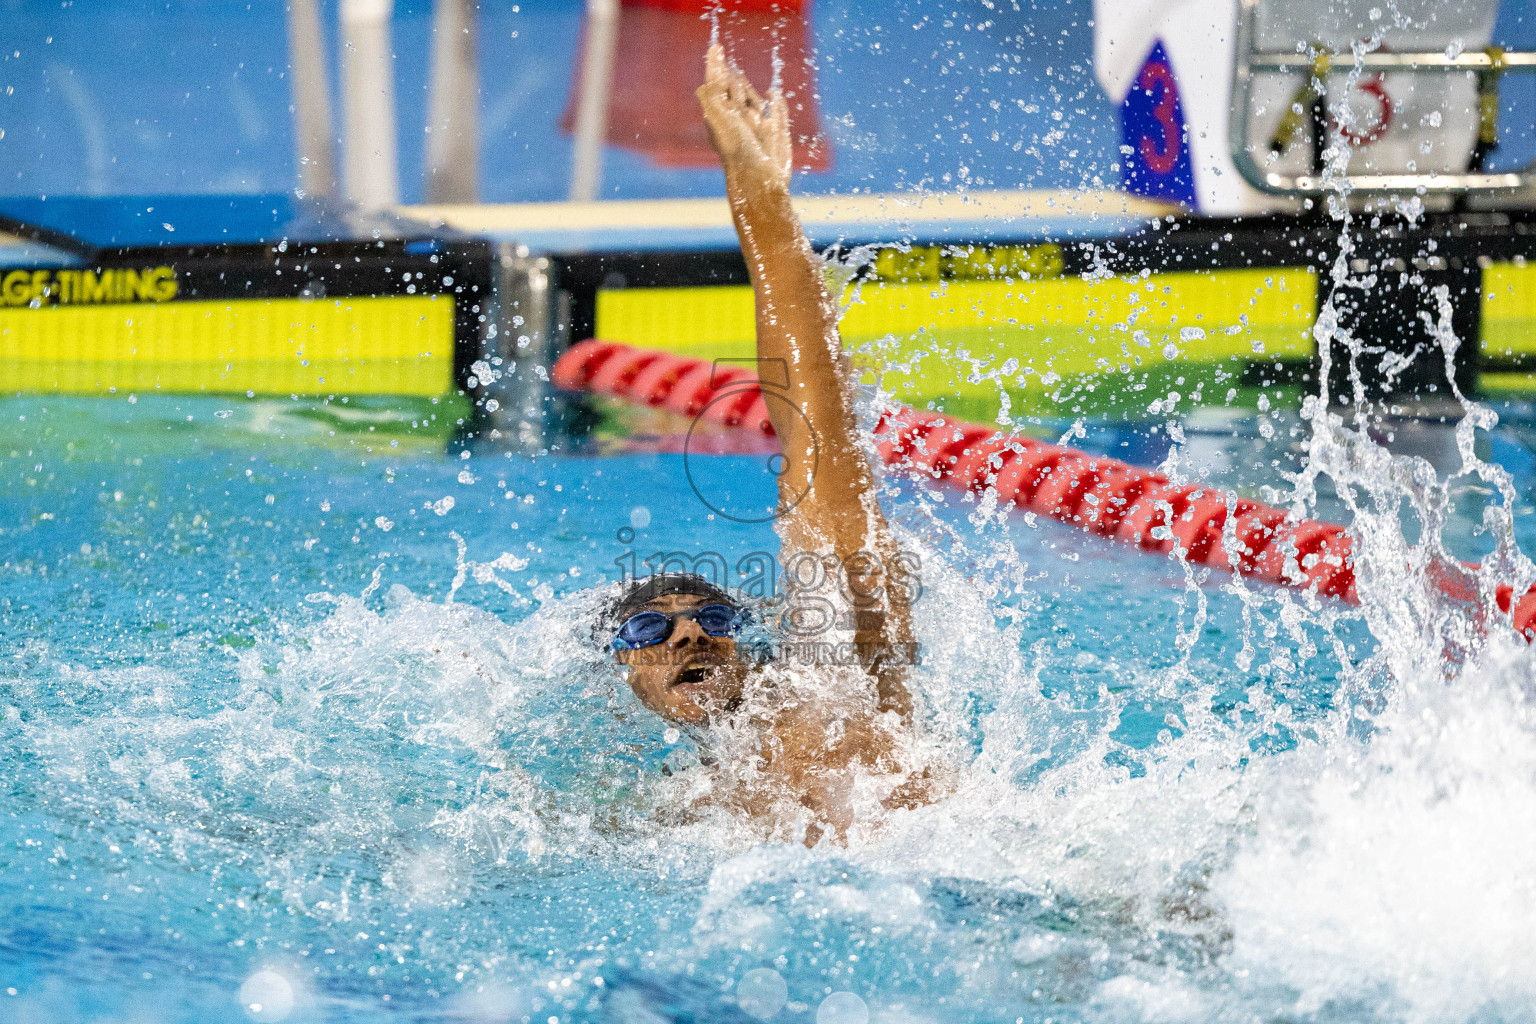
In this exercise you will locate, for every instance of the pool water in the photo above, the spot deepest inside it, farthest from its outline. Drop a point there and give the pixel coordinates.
(300, 719)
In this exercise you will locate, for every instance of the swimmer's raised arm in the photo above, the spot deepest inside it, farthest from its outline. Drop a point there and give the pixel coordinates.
(797, 324)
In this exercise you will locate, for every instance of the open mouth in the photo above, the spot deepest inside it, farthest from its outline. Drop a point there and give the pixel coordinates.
(694, 674)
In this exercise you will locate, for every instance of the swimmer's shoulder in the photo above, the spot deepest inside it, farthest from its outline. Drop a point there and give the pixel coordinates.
(807, 735)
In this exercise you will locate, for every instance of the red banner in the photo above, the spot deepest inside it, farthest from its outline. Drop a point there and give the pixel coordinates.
(659, 62)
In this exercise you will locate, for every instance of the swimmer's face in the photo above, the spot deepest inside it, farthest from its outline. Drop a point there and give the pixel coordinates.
(690, 676)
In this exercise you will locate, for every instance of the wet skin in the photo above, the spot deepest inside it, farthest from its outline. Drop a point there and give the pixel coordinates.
(811, 750)
(808, 750)
(690, 676)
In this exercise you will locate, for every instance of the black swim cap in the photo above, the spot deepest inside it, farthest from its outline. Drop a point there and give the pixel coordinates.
(646, 589)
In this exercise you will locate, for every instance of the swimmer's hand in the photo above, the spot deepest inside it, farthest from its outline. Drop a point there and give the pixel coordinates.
(750, 134)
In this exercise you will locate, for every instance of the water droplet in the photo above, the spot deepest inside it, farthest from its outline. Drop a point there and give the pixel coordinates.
(763, 993)
(267, 996)
(842, 1008)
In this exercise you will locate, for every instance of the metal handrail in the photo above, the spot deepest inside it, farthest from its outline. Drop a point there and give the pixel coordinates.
(1248, 61)
(1429, 61)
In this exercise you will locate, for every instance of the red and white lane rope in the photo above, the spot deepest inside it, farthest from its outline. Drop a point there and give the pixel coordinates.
(1101, 495)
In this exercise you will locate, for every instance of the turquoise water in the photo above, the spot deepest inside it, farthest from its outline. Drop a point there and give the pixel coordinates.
(299, 720)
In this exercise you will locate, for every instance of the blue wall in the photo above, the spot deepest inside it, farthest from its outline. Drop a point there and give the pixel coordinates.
(142, 97)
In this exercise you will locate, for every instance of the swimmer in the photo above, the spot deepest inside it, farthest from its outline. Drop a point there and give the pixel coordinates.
(677, 633)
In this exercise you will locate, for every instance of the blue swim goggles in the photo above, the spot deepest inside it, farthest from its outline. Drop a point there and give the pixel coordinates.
(645, 629)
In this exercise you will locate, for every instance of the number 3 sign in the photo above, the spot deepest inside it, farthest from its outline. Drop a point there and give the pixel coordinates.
(1155, 150)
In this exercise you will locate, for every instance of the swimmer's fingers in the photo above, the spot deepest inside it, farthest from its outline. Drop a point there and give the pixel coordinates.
(751, 98)
(734, 82)
(714, 96)
(722, 91)
(746, 129)
(717, 73)
(727, 82)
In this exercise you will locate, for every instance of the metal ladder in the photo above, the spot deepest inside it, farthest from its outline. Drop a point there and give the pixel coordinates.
(1489, 65)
